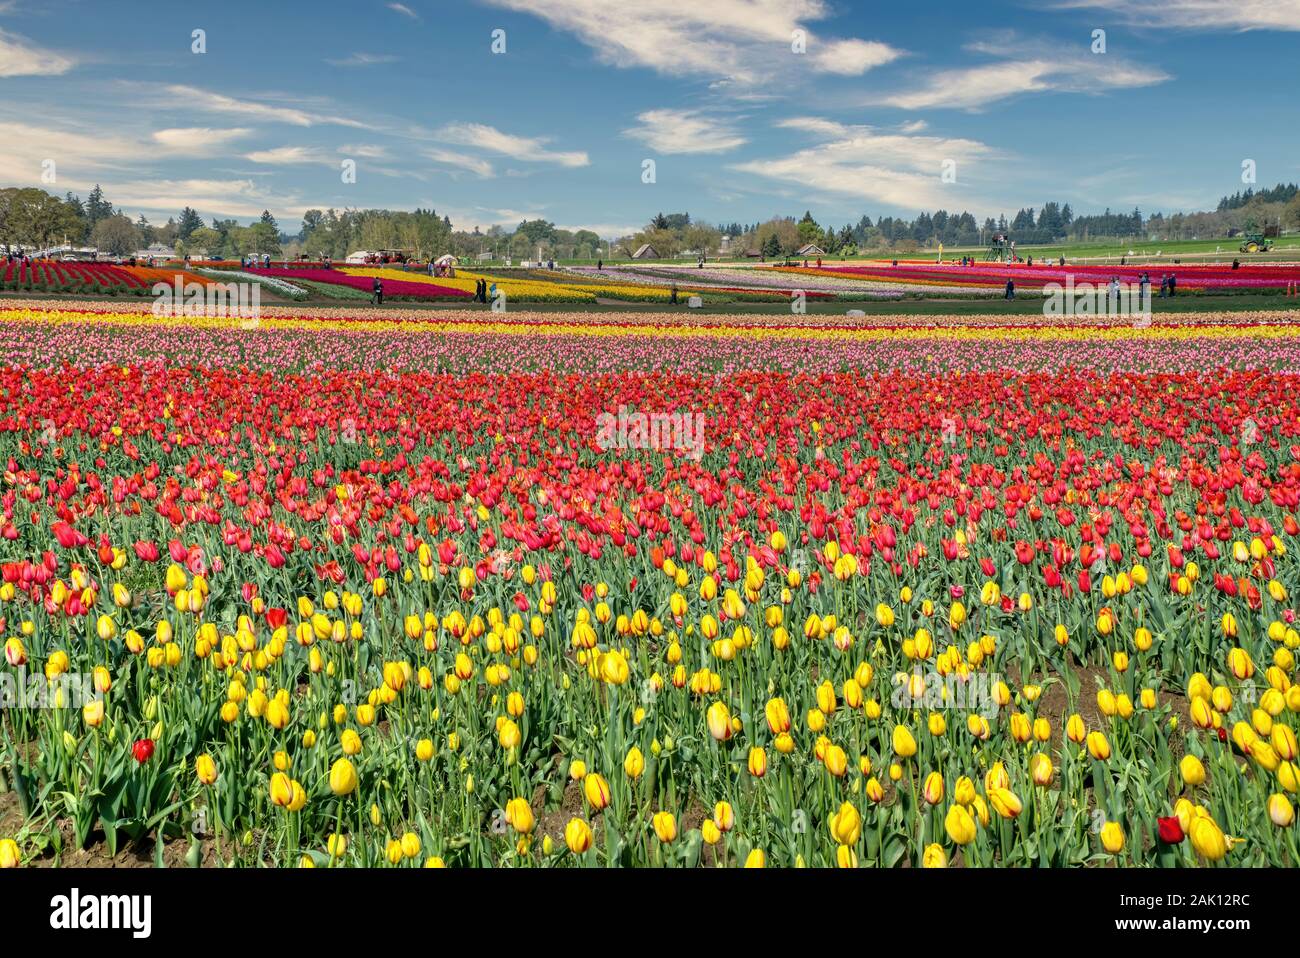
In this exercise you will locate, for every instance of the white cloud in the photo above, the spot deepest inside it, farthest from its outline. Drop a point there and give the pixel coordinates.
(492, 140)
(368, 151)
(813, 124)
(239, 198)
(197, 139)
(746, 40)
(404, 10)
(364, 60)
(193, 98)
(476, 165)
(20, 57)
(969, 88)
(851, 57)
(893, 168)
(291, 156)
(1202, 14)
(76, 153)
(684, 131)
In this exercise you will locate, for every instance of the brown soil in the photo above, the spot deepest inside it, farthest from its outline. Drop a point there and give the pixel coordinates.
(96, 855)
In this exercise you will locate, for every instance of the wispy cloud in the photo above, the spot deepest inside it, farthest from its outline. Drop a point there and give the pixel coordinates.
(20, 57)
(209, 101)
(198, 139)
(404, 10)
(241, 198)
(969, 88)
(463, 161)
(1200, 14)
(492, 140)
(744, 40)
(895, 168)
(684, 131)
(364, 60)
(292, 156)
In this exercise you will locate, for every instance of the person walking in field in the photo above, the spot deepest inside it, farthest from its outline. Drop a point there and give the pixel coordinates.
(1011, 290)
(377, 292)
(1173, 285)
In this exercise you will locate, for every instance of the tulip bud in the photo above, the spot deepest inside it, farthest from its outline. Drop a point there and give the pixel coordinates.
(1098, 746)
(1112, 837)
(846, 824)
(634, 764)
(1280, 810)
(903, 742)
(959, 825)
(343, 778)
(578, 836)
(719, 721)
(665, 826)
(1207, 838)
(596, 790)
(1193, 771)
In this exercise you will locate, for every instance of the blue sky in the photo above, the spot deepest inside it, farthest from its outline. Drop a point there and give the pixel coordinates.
(744, 118)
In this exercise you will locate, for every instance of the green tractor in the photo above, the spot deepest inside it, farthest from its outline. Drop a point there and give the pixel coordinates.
(1259, 241)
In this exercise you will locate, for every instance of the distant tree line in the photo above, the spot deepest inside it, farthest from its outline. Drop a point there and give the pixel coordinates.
(32, 217)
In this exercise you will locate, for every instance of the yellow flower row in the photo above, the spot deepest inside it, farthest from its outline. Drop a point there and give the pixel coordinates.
(671, 326)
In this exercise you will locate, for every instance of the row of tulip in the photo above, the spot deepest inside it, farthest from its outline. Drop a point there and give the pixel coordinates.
(287, 613)
(1192, 277)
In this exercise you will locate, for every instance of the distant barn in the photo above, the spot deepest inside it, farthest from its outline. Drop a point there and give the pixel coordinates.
(646, 251)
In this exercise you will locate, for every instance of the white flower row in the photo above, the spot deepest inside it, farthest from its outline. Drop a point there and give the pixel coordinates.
(279, 285)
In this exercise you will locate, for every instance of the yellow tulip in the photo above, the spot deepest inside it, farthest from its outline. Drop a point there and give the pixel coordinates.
(719, 721)
(1207, 838)
(904, 743)
(578, 836)
(343, 778)
(1112, 837)
(1280, 810)
(596, 789)
(519, 815)
(665, 826)
(959, 825)
(846, 824)
(205, 769)
(634, 764)
(1192, 770)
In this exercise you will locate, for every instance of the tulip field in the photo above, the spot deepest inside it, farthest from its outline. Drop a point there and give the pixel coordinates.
(350, 587)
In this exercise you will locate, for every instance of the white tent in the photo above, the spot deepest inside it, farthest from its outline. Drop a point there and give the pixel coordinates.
(358, 257)
(446, 260)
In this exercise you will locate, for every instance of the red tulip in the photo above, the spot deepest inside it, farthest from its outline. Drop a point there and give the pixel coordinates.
(1171, 832)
